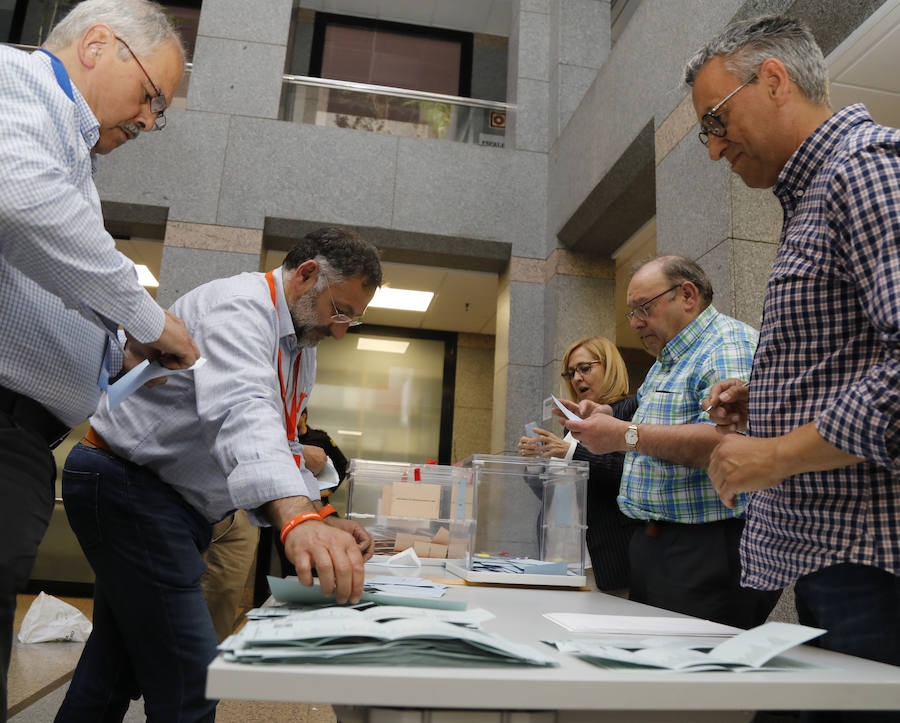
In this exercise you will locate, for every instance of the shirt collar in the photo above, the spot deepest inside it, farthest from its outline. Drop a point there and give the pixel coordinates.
(685, 340)
(285, 321)
(88, 125)
(804, 164)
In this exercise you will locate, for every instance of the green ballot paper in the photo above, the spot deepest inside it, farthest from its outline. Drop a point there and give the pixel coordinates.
(289, 590)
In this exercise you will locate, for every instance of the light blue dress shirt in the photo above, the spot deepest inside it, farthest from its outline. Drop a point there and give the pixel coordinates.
(218, 434)
(62, 281)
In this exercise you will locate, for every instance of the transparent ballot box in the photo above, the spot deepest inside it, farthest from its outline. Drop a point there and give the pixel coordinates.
(527, 509)
(428, 507)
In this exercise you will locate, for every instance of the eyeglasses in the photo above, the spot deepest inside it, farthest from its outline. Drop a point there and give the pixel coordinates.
(711, 122)
(642, 311)
(584, 369)
(338, 317)
(158, 102)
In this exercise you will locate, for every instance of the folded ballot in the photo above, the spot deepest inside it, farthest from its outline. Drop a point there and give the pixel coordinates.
(758, 649)
(377, 636)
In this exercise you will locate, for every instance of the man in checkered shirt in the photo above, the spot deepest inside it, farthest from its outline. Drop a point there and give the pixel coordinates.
(686, 556)
(824, 400)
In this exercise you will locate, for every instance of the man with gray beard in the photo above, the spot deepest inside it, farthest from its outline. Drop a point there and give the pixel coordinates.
(150, 478)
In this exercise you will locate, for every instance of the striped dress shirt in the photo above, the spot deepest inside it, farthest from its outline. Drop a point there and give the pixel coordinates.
(829, 352)
(218, 434)
(63, 284)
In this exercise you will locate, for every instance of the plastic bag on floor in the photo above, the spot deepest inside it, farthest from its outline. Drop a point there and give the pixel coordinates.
(50, 618)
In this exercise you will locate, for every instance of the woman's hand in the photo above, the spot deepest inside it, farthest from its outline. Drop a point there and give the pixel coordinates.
(544, 444)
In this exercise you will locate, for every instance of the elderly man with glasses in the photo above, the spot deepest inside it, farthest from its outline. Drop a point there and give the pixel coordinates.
(823, 451)
(150, 478)
(685, 556)
(64, 288)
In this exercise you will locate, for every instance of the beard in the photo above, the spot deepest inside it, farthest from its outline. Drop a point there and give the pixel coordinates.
(306, 320)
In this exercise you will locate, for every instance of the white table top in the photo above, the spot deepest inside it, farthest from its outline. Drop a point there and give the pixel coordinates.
(849, 683)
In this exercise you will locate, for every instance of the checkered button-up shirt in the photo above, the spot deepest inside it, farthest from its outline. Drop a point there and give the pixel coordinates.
(712, 347)
(61, 278)
(829, 352)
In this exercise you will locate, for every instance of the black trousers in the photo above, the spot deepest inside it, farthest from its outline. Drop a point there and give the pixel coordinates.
(27, 475)
(696, 570)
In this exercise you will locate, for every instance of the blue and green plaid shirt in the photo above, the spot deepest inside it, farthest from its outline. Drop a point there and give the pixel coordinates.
(712, 347)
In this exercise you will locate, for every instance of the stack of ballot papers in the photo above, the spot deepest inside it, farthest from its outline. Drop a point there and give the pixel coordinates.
(379, 635)
(520, 565)
(381, 589)
(756, 650)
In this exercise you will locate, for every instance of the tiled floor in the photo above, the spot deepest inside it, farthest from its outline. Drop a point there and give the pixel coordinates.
(39, 674)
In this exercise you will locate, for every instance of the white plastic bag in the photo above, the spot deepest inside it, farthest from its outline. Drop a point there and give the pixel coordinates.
(50, 618)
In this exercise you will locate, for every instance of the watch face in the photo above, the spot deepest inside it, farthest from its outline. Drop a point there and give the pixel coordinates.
(631, 436)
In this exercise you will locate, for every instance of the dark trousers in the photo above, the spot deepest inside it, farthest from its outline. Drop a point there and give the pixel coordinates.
(27, 475)
(696, 570)
(859, 606)
(152, 633)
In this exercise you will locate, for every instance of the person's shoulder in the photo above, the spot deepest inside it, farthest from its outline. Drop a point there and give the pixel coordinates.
(247, 290)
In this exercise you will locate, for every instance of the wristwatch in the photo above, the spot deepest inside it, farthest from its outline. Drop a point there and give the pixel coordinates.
(631, 438)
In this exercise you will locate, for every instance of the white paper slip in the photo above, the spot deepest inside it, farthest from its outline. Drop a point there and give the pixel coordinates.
(328, 477)
(756, 650)
(144, 372)
(571, 415)
(630, 625)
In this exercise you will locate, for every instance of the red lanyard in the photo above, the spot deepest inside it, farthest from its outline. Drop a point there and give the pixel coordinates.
(289, 416)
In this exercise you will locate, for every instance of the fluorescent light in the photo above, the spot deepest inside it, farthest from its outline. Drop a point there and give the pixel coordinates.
(145, 276)
(365, 343)
(402, 299)
(349, 432)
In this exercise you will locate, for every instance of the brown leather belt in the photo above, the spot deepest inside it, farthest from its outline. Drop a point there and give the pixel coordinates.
(653, 528)
(93, 439)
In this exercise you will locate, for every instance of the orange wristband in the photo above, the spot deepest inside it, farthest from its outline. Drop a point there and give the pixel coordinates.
(327, 510)
(299, 519)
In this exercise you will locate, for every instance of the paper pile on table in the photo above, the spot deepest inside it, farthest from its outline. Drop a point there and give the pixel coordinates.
(520, 565)
(756, 650)
(379, 635)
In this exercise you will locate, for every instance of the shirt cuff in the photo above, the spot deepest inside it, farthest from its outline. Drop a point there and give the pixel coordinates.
(253, 484)
(147, 322)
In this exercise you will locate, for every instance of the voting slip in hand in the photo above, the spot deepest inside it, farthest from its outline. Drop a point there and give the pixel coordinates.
(144, 372)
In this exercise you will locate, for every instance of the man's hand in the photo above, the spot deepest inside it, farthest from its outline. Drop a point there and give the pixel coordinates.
(334, 553)
(314, 458)
(743, 464)
(545, 444)
(131, 357)
(599, 432)
(360, 534)
(174, 349)
(727, 405)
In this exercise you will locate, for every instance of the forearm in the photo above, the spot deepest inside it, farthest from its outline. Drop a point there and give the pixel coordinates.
(805, 450)
(279, 512)
(686, 444)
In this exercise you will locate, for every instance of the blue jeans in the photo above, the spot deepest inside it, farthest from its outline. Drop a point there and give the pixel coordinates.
(152, 634)
(859, 606)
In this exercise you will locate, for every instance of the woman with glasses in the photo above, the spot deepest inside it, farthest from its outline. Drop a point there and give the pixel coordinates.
(593, 369)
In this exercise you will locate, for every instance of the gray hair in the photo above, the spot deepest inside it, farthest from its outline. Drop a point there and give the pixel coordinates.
(142, 24)
(341, 255)
(678, 269)
(745, 45)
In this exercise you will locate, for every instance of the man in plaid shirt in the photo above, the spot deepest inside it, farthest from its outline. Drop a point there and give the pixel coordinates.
(686, 557)
(824, 403)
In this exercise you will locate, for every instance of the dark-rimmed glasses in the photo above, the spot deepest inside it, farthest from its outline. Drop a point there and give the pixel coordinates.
(711, 122)
(642, 311)
(584, 369)
(338, 317)
(158, 102)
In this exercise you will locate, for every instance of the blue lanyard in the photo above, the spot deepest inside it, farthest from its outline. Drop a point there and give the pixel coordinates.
(62, 76)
